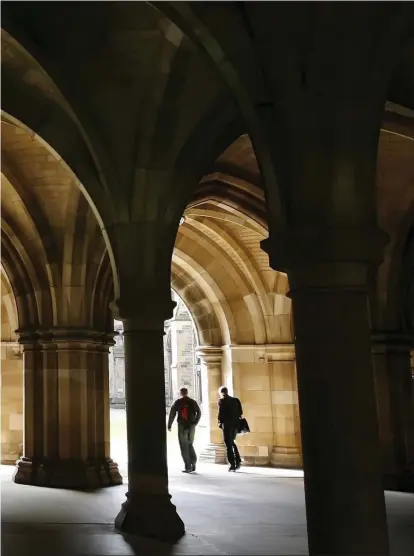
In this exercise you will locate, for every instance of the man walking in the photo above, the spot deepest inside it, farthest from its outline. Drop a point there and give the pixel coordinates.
(189, 415)
(229, 412)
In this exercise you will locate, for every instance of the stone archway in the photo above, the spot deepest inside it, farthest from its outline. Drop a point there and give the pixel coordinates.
(246, 340)
(55, 259)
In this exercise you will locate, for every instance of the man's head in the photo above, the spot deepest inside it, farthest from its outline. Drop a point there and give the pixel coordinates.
(224, 391)
(183, 392)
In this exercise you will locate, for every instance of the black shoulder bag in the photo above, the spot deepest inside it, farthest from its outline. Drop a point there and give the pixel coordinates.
(243, 426)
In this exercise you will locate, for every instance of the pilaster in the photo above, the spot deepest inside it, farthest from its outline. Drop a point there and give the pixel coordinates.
(287, 448)
(211, 380)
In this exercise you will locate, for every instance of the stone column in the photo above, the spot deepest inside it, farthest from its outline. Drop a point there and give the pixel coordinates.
(392, 354)
(148, 509)
(66, 410)
(343, 486)
(344, 496)
(211, 380)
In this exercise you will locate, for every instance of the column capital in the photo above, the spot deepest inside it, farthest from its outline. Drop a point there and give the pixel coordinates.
(210, 354)
(322, 257)
(64, 337)
(144, 310)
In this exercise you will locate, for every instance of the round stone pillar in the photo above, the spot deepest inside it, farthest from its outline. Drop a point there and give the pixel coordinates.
(66, 410)
(211, 380)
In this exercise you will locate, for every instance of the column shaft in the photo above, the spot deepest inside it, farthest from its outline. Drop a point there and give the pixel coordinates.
(145, 398)
(343, 486)
(66, 441)
(287, 450)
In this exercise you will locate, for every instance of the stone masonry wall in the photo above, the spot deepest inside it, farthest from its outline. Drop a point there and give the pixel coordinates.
(11, 404)
(179, 359)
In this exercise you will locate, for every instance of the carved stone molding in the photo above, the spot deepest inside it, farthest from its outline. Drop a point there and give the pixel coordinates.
(71, 474)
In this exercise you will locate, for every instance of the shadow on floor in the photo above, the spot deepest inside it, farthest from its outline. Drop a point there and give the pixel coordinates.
(24, 539)
(141, 545)
(62, 539)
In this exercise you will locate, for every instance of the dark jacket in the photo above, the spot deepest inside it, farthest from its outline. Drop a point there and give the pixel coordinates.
(182, 406)
(229, 411)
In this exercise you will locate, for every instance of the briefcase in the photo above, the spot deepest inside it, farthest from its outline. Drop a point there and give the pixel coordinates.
(243, 426)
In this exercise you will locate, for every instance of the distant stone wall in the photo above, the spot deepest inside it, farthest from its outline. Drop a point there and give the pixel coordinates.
(169, 388)
(179, 359)
(117, 369)
(185, 355)
(11, 403)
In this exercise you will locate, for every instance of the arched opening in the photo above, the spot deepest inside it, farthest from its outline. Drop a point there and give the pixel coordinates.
(182, 368)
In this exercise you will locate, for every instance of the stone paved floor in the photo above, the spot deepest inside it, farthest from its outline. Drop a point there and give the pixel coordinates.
(258, 511)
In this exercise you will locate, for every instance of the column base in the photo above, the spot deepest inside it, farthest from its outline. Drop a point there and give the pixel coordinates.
(150, 516)
(285, 457)
(214, 453)
(68, 474)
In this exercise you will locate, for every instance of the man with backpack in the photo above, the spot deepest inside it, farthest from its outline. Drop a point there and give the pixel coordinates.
(189, 415)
